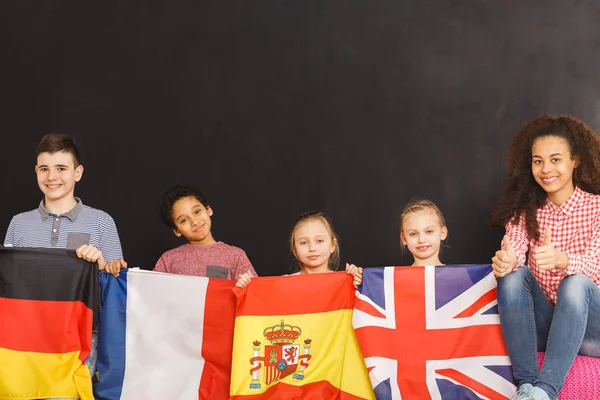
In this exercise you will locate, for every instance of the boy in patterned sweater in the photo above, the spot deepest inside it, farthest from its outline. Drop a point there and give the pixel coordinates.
(185, 210)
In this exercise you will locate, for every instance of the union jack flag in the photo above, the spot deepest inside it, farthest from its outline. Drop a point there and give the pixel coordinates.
(432, 333)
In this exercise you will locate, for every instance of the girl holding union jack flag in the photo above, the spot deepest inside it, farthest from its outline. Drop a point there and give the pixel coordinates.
(423, 230)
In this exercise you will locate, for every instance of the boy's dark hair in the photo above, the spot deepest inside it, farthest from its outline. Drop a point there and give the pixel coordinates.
(173, 194)
(523, 196)
(55, 142)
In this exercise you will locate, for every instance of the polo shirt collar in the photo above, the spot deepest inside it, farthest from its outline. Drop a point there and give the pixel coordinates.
(71, 214)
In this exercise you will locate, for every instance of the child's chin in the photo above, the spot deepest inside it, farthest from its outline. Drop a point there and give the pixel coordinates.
(195, 239)
(312, 266)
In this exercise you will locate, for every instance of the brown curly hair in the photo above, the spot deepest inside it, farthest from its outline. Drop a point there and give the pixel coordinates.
(523, 195)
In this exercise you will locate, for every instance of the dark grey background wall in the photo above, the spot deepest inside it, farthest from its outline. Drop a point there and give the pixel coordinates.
(274, 108)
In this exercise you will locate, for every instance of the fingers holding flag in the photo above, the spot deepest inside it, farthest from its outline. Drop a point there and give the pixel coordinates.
(243, 280)
(356, 272)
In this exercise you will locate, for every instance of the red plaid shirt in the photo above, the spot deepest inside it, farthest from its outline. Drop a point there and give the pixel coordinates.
(575, 230)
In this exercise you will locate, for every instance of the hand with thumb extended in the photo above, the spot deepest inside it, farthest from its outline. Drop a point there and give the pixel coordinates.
(547, 237)
(547, 257)
(505, 260)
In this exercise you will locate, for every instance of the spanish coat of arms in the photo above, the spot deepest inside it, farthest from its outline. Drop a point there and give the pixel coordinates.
(282, 357)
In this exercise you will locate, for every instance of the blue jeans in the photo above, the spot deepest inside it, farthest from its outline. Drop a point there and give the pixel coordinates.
(90, 361)
(530, 324)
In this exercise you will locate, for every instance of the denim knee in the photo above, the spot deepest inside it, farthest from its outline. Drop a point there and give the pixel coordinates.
(513, 284)
(574, 290)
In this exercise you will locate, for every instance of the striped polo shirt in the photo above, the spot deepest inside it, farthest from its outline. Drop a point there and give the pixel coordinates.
(82, 225)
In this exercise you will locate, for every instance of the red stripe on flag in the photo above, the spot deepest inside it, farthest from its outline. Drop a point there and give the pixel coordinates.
(322, 390)
(45, 326)
(316, 293)
(483, 300)
(368, 308)
(472, 384)
(217, 339)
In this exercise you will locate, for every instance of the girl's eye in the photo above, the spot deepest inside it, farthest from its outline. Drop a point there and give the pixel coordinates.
(412, 234)
(537, 162)
(555, 160)
(429, 232)
(303, 243)
(320, 241)
(198, 211)
(182, 221)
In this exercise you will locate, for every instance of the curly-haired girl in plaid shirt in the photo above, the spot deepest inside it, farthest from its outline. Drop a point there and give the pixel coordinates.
(549, 266)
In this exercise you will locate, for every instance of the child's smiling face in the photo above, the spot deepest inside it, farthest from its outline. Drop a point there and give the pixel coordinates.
(192, 220)
(57, 175)
(422, 232)
(552, 167)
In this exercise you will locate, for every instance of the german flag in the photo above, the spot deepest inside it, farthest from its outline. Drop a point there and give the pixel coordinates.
(48, 302)
(293, 339)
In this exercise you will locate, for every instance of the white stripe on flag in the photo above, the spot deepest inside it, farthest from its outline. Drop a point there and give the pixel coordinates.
(165, 318)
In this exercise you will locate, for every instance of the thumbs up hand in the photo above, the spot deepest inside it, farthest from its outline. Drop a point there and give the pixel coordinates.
(505, 260)
(547, 257)
(547, 237)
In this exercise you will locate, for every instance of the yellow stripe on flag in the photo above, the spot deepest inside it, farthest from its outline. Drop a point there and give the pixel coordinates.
(355, 378)
(31, 375)
(326, 343)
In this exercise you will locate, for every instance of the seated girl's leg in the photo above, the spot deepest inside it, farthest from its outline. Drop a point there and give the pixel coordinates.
(591, 340)
(525, 315)
(575, 326)
(91, 359)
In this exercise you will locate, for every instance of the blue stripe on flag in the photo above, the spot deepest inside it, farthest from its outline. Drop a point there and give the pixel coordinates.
(373, 290)
(452, 391)
(111, 346)
(449, 283)
(383, 390)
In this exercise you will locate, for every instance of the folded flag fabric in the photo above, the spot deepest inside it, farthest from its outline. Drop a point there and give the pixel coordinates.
(47, 303)
(293, 339)
(164, 336)
(432, 333)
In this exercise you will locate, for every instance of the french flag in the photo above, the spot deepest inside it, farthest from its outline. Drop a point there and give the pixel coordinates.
(164, 336)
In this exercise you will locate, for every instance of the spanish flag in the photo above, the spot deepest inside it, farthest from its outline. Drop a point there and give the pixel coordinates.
(293, 339)
(47, 303)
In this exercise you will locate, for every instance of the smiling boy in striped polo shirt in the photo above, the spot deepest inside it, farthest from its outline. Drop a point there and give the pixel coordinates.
(62, 220)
